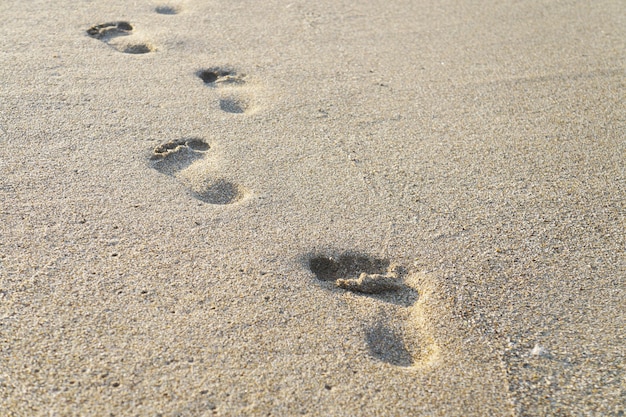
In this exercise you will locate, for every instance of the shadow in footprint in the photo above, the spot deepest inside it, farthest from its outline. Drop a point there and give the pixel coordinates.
(233, 105)
(165, 9)
(220, 76)
(328, 268)
(220, 192)
(386, 344)
(364, 275)
(107, 32)
(135, 48)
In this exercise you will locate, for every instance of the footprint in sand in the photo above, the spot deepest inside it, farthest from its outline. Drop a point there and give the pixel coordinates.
(115, 35)
(396, 300)
(219, 77)
(230, 83)
(167, 9)
(178, 159)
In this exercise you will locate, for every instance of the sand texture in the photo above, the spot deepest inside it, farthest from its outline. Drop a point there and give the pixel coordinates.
(329, 208)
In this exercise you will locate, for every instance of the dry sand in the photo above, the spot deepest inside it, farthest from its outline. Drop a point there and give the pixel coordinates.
(181, 192)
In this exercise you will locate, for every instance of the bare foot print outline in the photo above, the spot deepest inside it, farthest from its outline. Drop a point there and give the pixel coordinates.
(174, 158)
(230, 82)
(401, 345)
(110, 33)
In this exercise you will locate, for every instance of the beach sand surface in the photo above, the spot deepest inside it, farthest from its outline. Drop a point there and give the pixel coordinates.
(374, 208)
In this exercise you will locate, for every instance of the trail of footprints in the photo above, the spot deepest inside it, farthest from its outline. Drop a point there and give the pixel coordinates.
(176, 157)
(390, 286)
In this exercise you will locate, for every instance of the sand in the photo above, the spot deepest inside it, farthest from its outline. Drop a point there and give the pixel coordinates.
(185, 186)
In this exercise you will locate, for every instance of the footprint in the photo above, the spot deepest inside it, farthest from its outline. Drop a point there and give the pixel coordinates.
(176, 155)
(396, 302)
(230, 82)
(111, 31)
(175, 158)
(217, 77)
(167, 9)
(366, 276)
(234, 89)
